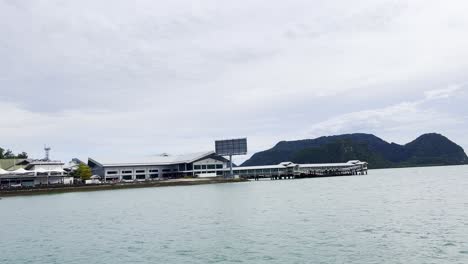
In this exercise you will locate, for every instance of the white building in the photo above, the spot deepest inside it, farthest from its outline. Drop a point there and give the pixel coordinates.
(202, 164)
(35, 172)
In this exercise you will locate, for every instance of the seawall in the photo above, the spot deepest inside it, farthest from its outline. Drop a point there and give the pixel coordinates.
(115, 186)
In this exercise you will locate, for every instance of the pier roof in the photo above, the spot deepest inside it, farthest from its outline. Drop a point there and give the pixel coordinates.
(283, 165)
(341, 164)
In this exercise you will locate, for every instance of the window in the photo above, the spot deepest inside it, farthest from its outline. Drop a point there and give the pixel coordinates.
(141, 176)
(111, 172)
(175, 170)
(152, 176)
(166, 170)
(197, 167)
(203, 167)
(127, 177)
(154, 170)
(219, 166)
(140, 171)
(211, 167)
(127, 172)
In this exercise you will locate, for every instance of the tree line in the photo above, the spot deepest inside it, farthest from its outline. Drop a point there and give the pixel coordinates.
(8, 154)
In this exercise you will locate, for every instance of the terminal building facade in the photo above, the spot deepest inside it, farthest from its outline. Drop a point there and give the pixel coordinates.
(202, 164)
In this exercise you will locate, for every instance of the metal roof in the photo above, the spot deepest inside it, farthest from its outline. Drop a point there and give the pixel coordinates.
(283, 165)
(259, 167)
(154, 160)
(11, 164)
(347, 164)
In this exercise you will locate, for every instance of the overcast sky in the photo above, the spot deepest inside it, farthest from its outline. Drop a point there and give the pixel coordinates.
(142, 77)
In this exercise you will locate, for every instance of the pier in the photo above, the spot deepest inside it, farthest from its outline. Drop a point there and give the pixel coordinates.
(290, 170)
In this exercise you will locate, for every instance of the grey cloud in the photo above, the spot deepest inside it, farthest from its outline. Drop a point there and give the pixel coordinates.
(153, 77)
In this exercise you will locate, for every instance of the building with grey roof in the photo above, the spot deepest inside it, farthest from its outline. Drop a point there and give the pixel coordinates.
(201, 164)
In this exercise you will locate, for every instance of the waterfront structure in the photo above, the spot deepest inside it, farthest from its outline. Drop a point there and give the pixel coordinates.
(35, 172)
(287, 170)
(32, 172)
(202, 164)
(210, 164)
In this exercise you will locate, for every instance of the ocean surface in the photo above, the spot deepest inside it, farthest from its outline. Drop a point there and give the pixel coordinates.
(414, 215)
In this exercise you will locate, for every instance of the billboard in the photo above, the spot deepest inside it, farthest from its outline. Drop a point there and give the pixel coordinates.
(231, 147)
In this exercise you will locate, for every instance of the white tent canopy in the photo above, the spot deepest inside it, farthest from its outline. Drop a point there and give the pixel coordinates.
(35, 171)
(40, 170)
(20, 171)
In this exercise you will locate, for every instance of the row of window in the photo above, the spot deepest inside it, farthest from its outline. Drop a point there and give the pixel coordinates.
(196, 167)
(138, 171)
(260, 171)
(208, 167)
(140, 176)
(129, 174)
(156, 175)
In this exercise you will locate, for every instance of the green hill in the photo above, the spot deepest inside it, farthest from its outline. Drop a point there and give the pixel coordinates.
(426, 150)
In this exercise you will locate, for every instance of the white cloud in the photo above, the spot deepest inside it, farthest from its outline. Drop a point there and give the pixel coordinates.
(442, 93)
(401, 122)
(143, 76)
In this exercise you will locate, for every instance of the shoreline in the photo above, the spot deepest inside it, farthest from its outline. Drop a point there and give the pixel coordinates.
(115, 186)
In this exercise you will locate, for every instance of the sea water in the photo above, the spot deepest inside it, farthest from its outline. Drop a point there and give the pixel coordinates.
(412, 215)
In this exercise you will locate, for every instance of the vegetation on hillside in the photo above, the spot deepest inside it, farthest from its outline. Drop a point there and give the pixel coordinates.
(340, 151)
(426, 150)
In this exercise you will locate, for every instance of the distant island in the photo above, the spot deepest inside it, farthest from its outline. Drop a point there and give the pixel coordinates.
(427, 150)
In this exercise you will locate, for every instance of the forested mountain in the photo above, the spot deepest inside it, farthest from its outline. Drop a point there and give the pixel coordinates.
(426, 150)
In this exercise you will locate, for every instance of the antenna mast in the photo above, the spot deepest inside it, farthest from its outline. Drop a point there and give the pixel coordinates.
(47, 151)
